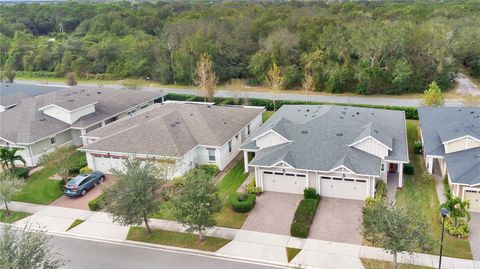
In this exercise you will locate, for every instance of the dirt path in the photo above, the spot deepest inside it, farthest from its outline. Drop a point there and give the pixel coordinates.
(465, 86)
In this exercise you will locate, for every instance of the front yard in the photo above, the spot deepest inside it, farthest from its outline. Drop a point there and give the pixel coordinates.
(12, 216)
(38, 189)
(423, 193)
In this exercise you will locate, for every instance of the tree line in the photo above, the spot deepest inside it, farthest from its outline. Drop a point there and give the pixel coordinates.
(363, 47)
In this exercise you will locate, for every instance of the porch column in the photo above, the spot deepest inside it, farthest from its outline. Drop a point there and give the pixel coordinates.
(430, 165)
(245, 161)
(400, 175)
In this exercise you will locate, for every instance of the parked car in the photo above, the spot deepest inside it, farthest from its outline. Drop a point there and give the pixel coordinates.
(82, 183)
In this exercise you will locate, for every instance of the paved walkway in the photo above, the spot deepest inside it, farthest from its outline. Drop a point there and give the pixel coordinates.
(475, 235)
(392, 185)
(437, 174)
(245, 244)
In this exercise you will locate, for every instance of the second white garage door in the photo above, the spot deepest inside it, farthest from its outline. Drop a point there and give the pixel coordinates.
(288, 183)
(474, 197)
(347, 188)
(105, 164)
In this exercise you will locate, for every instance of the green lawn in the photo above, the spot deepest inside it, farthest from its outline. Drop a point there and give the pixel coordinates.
(39, 189)
(176, 239)
(292, 252)
(75, 223)
(376, 264)
(424, 195)
(12, 216)
(266, 115)
(229, 185)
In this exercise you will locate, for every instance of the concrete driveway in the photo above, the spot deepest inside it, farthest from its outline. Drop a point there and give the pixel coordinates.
(81, 202)
(338, 220)
(474, 226)
(273, 213)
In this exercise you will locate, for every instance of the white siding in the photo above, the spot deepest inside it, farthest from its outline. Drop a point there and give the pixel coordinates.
(371, 146)
(270, 139)
(68, 116)
(461, 144)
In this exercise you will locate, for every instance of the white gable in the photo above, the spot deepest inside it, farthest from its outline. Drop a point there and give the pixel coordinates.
(68, 116)
(372, 146)
(270, 139)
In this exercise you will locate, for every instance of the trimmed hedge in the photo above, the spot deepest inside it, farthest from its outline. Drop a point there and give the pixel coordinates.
(411, 113)
(210, 169)
(242, 202)
(408, 169)
(310, 193)
(417, 147)
(78, 163)
(21, 172)
(380, 190)
(96, 204)
(303, 217)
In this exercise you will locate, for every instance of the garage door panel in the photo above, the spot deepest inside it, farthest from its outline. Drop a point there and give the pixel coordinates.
(106, 165)
(474, 197)
(348, 189)
(287, 183)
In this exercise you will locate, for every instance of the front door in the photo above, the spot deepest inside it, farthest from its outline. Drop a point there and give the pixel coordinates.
(393, 167)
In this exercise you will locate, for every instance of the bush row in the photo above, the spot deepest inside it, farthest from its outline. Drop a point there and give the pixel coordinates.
(21, 172)
(380, 190)
(303, 217)
(96, 204)
(242, 202)
(408, 169)
(410, 112)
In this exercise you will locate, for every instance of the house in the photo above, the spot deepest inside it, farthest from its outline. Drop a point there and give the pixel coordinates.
(39, 124)
(339, 151)
(180, 133)
(451, 147)
(12, 93)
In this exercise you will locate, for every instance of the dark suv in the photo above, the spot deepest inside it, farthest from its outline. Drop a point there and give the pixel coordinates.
(80, 184)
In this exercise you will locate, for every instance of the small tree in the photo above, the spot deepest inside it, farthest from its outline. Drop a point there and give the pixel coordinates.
(8, 156)
(205, 77)
(27, 249)
(10, 75)
(458, 208)
(396, 229)
(9, 186)
(133, 196)
(433, 96)
(308, 84)
(239, 87)
(61, 159)
(275, 82)
(197, 203)
(71, 79)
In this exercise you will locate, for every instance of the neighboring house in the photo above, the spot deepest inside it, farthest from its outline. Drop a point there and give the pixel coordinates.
(451, 147)
(12, 93)
(179, 133)
(39, 124)
(339, 151)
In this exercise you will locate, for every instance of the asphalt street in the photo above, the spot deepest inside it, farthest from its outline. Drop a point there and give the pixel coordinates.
(84, 253)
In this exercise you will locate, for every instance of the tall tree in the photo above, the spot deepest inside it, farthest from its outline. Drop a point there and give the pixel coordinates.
(433, 96)
(394, 228)
(197, 203)
(8, 156)
(205, 77)
(61, 159)
(9, 186)
(308, 83)
(275, 82)
(27, 249)
(133, 196)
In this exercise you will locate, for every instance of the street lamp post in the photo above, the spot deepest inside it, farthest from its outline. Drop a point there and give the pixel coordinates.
(445, 213)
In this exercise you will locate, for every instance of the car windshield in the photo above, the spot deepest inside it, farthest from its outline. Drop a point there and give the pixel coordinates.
(77, 180)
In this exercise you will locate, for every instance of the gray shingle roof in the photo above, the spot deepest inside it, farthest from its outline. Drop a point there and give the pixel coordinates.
(173, 129)
(24, 123)
(443, 124)
(13, 93)
(321, 136)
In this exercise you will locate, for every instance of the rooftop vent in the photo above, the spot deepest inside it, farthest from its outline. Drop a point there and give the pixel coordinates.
(341, 117)
(343, 112)
(339, 134)
(375, 131)
(172, 125)
(373, 113)
(471, 112)
(308, 110)
(70, 100)
(67, 94)
(99, 92)
(43, 119)
(304, 132)
(358, 113)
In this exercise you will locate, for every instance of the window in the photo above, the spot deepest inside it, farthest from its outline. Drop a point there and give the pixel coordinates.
(349, 179)
(290, 175)
(268, 173)
(300, 175)
(230, 146)
(52, 140)
(383, 167)
(278, 173)
(248, 129)
(337, 178)
(143, 107)
(131, 112)
(211, 155)
(236, 137)
(361, 180)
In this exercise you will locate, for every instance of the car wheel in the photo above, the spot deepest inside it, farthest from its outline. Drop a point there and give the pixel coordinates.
(84, 192)
(102, 179)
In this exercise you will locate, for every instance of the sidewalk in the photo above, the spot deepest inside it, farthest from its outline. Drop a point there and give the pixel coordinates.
(244, 244)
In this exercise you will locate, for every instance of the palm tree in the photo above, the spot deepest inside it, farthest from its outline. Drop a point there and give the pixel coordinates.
(8, 156)
(458, 208)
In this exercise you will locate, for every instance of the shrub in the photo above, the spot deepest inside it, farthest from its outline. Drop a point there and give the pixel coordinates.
(252, 188)
(210, 169)
(417, 147)
(21, 172)
(71, 79)
(303, 218)
(96, 204)
(408, 169)
(461, 231)
(380, 190)
(85, 170)
(242, 202)
(77, 164)
(310, 193)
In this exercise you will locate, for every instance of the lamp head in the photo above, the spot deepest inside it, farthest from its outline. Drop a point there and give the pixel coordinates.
(444, 212)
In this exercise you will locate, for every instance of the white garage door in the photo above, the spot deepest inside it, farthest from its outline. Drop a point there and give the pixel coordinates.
(105, 164)
(474, 197)
(347, 188)
(279, 182)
